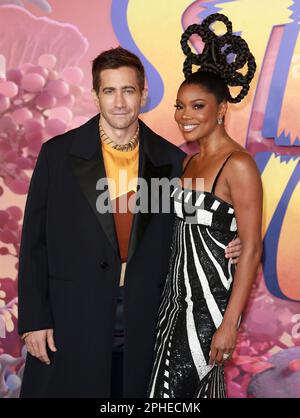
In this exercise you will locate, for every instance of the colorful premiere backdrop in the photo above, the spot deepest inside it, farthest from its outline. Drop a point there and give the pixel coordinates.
(46, 48)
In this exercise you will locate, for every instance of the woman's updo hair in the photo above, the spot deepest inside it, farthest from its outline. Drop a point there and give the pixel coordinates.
(212, 83)
(219, 61)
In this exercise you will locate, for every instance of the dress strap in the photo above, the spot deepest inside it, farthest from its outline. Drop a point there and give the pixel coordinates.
(218, 174)
(188, 162)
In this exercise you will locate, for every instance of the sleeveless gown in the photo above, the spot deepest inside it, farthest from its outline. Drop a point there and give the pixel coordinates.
(195, 296)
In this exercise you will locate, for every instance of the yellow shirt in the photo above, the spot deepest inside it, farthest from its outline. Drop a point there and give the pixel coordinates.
(122, 172)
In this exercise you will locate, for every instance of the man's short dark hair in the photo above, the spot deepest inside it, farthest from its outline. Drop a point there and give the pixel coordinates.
(115, 58)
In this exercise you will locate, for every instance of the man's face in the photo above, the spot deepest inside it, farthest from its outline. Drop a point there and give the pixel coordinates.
(119, 98)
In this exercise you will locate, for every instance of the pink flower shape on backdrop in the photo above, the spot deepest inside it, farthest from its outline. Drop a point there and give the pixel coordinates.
(24, 37)
(40, 94)
(42, 4)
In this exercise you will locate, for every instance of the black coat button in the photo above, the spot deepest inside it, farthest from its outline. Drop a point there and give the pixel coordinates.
(104, 265)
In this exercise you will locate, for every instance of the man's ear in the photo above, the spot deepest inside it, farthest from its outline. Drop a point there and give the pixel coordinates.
(144, 97)
(95, 98)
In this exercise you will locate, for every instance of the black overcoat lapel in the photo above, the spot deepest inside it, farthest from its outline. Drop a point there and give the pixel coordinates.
(87, 165)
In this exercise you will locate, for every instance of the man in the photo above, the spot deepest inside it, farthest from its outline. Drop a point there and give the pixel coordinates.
(90, 280)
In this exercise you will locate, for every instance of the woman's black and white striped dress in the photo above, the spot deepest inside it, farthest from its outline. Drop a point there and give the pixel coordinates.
(194, 299)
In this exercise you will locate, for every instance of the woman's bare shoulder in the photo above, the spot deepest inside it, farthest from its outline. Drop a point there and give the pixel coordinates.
(241, 163)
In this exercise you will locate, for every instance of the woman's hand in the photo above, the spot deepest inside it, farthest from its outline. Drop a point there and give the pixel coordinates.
(223, 343)
(233, 250)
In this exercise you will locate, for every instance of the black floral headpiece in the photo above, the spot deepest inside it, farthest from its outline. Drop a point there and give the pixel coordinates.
(215, 57)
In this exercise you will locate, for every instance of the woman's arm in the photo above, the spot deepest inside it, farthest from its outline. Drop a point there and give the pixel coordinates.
(245, 188)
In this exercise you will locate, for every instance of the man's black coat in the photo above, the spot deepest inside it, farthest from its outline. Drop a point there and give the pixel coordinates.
(70, 267)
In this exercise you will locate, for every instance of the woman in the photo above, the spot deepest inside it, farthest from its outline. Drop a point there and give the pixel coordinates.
(202, 303)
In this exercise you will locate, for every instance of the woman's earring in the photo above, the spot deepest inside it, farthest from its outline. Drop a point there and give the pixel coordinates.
(220, 120)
